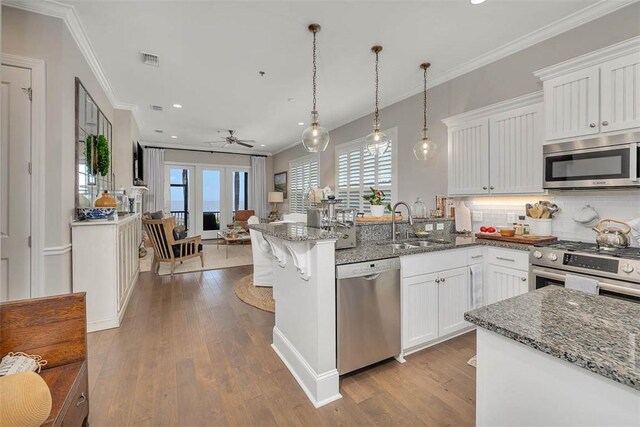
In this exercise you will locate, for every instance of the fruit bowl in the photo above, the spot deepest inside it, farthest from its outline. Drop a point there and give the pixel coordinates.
(96, 214)
(507, 232)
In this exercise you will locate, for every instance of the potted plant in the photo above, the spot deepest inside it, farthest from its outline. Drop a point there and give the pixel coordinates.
(376, 198)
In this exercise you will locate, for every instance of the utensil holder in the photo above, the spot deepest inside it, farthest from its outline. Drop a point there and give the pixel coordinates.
(540, 227)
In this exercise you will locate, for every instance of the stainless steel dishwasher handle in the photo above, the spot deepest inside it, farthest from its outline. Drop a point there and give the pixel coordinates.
(371, 276)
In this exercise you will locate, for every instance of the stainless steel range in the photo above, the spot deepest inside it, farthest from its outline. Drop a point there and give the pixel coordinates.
(617, 271)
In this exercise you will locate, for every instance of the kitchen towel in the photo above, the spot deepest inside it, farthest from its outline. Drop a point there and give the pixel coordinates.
(463, 218)
(476, 285)
(580, 283)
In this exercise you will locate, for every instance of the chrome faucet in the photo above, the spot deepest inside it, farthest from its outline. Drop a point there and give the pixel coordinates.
(393, 218)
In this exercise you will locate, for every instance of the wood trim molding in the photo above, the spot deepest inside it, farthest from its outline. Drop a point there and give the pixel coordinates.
(57, 250)
(38, 139)
(596, 57)
(500, 107)
(569, 22)
(71, 18)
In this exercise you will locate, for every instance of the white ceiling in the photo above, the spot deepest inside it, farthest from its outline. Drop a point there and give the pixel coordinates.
(211, 52)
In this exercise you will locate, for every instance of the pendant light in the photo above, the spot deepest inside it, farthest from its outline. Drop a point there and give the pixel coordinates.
(377, 143)
(315, 138)
(425, 149)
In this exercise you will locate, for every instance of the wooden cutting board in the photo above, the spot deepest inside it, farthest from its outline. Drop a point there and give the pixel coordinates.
(527, 240)
(385, 218)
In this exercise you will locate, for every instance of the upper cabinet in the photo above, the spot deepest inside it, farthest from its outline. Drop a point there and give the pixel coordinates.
(595, 94)
(497, 149)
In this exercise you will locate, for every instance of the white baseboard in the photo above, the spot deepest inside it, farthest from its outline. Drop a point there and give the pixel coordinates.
(320, 388)
(99, 325)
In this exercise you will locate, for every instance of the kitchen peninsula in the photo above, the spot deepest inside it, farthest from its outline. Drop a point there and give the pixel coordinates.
(558, 357)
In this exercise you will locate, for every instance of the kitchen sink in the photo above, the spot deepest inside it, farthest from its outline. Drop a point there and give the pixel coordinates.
(402, 246)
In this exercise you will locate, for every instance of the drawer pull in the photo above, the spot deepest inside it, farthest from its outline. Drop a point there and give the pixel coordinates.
(505, 259)
(81, 399)
(476, 256)
(524, 279)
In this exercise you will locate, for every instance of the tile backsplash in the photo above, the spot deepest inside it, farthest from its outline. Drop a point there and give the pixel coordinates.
(615, 204)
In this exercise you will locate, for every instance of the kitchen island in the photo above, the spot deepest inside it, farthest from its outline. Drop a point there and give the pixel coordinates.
(304, 288)
(555, 356)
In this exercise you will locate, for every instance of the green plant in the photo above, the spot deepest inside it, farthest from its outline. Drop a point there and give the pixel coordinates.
(101, 163)
(376, 198)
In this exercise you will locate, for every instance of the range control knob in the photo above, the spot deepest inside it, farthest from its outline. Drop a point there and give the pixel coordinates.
(627, 268)
(552, 257)
(537, 254)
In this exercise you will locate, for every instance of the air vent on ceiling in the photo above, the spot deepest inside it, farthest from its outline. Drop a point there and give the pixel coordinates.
(158, 131)
(156, 107)
(150, 59)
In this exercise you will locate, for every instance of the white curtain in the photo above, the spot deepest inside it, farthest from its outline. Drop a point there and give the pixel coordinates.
(259, 186)
(154, 176)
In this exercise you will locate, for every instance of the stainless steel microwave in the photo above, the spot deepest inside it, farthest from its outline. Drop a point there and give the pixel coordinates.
(605, 162)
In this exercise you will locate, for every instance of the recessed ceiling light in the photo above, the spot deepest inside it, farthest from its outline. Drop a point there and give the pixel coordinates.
(174, 136)
(177, 106)
(476, 1)
(262, 145)
(300, 123)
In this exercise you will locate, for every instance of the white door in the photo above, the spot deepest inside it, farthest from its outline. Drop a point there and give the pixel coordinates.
(454, 296)
(211, 213)
(572, 104)
(515, 144)
(420, 310)
(620, 94)
(469, 158)
(504, 282)
(15, 225)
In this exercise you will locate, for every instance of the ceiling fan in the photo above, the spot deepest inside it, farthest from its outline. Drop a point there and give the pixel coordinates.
(231, 139)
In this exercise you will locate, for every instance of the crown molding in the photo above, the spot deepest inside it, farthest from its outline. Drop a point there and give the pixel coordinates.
(596, 57)
(569, 22)
(497, 108)
(70, 17)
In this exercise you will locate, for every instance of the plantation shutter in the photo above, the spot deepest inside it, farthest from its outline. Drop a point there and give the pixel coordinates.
(357, 171)
(303, 175)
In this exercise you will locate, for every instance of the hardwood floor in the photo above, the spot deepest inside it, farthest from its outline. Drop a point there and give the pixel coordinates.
(190, 353)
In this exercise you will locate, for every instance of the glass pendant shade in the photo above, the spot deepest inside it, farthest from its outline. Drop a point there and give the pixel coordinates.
(377, 143)
(315, 138)
(425, 149)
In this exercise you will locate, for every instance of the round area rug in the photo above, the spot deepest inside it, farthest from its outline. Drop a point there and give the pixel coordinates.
(256, 296)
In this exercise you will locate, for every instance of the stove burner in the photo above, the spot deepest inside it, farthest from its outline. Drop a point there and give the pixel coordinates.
(592, 248)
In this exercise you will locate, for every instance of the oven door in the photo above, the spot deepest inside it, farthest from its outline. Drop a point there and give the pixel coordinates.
(611, 166)
(541, 277)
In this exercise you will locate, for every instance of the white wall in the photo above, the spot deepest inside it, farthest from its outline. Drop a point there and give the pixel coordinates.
(125, 134)
(499, 81)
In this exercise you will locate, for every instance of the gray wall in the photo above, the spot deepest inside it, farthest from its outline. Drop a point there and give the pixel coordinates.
(42, 37)
(502, 80)
(125, 134)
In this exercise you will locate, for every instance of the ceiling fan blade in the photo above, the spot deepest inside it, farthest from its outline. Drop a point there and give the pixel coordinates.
(243, 144)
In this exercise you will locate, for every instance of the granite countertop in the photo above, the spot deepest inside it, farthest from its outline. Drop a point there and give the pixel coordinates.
(372, 250)
(294, 232)
(596, 333)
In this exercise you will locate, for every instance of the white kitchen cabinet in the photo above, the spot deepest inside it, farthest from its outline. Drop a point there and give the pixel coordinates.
(497, 149)
(454, 300)
(420, 310)
(469, 158)
(594, 94)
(620, 93)
(503, 282)
(515, 144)
(572, 104)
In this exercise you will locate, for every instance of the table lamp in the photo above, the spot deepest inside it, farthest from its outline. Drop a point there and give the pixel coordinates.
(275, 197)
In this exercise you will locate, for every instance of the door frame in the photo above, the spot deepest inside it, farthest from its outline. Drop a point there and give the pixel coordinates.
(38, 138)
(191, 189)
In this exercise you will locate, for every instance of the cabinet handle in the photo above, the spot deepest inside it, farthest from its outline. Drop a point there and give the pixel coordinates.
(476, 256)
(491, 188)
(524, 279)
(437, 280)
(592, 125)
(442, 280)
(505, 259)
(605, 123)
(484, 188)
(81, 399)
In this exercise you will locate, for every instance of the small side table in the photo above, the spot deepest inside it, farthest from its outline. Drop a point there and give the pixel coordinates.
(239, 239)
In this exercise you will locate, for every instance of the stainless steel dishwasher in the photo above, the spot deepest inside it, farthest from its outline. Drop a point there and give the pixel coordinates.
(368, 313)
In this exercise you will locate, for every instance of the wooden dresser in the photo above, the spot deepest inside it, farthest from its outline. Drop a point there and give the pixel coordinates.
(54, 328)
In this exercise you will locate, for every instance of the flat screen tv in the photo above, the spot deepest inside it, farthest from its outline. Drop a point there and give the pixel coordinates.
(138, 163)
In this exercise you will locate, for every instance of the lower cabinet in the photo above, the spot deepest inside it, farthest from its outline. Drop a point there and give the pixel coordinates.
(504, 282)
(434, 305)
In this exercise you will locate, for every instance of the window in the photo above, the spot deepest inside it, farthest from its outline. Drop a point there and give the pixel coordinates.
(303, 175)
(357, 170)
